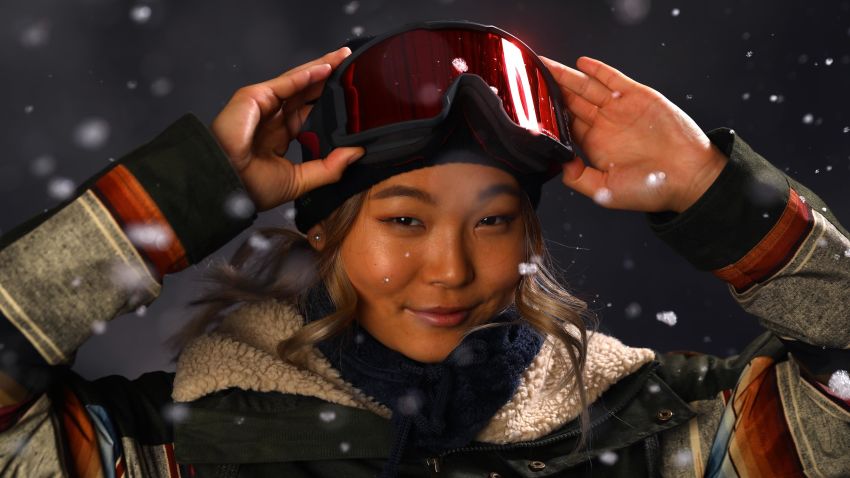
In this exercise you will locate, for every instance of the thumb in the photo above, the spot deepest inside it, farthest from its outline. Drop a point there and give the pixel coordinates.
(320, 172)
(586, 180)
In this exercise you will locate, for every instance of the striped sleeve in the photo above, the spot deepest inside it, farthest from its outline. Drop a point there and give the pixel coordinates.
(780, 249)
(157, 210)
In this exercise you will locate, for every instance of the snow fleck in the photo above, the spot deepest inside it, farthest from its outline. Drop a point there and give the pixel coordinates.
(839, 383)
(60, 188)
(92, 133)
(132, 84)
(239, 420)
(823, 209)
(822, 242)
(675, 12)
(765, 215)
(654, 388)
(667, 317)
(161, 87)
(495, 90)
(527, 268)
(655, 178)
(239, 206)
(683, 458)
(142, 310)
(407, 254)
(153, 236)
(630, 12)
(808, 118)
(36, 35)
(628, 264)
(98, 327)
(776, 98)
(750, 54)
(460, 65)
(836, 257)
(828, 61)
(29, 109)
(43, 165)
(327, 416)
(706, 339)
(828, 168)
(410, 403)
(351, 7)
(803, 58)
(289, 214)
(344, 447)
(357, 30)
(259, 242)
(386, 279)
(633, 310)
(140, 13)
(846, 129)
(616, 94)
(803, 199)
(75, 282)
(846, 252)
(608, 458)
(602, 196)
(745, 96)
(689, 96)
(817, 171)
(175, 412)
(130, 278)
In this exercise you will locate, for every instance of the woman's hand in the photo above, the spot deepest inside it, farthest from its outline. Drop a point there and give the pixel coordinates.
(645, 153)
(256, 126)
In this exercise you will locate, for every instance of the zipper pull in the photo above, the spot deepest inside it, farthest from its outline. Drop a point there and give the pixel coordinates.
(433, 463)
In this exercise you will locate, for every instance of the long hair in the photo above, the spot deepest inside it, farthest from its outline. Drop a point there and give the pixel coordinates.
(279, 264)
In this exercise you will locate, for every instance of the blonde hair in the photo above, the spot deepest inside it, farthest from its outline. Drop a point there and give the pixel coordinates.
(289, 266)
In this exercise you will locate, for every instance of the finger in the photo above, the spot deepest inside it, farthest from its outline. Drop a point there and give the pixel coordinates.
(312, 174)
(333, 58)
(581, 108)
(287, 85)
(578, 129)
(609, 76)
(587, 181)
(576, 82)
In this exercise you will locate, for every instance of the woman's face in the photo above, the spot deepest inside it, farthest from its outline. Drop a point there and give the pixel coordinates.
(446, 236)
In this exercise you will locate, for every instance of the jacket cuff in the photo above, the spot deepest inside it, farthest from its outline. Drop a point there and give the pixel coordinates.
(737, 211)
(183, 185)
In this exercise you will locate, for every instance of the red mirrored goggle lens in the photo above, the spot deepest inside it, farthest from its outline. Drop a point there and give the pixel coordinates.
(405, 78)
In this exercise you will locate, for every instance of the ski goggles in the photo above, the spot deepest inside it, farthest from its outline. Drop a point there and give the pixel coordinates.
(393, 94)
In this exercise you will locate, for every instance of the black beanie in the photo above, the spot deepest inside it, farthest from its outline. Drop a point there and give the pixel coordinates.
(459, 145)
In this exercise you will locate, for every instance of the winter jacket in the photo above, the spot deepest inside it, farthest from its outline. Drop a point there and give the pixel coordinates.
(233, 409)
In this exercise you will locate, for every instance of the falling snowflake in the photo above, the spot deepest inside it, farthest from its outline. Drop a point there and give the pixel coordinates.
(808, 118)
(745, 96)
(259, 242)
(460, 65)
(140, 13)
(132, 84)
(750, 54)
(828, 61)
(176, 412)
(344, 447)
(655, 179)
(351, 7)
(142, 311)
(776, 98)
(675, 12)
(667, 317)
(60, 188)
(846, 252)
(616, 94)
(602, 196)
(327, 416)
(689, 96)
(161, 87)
(43, 165)
(608, 457)
(29, 109)
(153, 236)
(633, 310)
(527, 268)
(628, 264)
(839, 383)
(98, 327)
(239, 420)
(75, 282)
(239, 206)
(654, 388)
(846, 129)
(683, 458)
(386, 280)
(357, 30)
(36, 35)
(92, 133)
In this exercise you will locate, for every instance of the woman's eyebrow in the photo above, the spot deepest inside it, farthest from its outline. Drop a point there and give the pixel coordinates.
(418, 194)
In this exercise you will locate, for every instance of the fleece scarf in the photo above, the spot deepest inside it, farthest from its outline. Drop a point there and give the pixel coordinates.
(435, 406)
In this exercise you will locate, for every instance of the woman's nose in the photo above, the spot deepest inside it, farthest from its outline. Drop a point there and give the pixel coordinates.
(449, 262)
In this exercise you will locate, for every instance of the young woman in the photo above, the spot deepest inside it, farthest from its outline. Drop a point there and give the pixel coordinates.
(420, 327)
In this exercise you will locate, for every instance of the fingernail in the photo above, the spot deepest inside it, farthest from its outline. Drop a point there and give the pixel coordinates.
(355, 156)
(345, 51)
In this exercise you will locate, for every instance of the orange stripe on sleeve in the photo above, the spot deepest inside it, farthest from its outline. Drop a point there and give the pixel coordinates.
(140, 217)
(774, 250)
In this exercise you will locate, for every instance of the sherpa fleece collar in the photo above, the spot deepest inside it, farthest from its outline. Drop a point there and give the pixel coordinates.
(241, 353)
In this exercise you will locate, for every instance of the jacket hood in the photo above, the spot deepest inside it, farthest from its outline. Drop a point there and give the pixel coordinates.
(241, 353)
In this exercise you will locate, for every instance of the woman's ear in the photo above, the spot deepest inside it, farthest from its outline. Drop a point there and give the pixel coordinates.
(316, 236)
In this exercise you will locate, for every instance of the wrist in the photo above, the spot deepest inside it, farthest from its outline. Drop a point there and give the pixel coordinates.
(713, 163)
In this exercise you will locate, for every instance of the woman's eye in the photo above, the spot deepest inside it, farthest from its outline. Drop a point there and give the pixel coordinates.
(497, 220)
(401, 220)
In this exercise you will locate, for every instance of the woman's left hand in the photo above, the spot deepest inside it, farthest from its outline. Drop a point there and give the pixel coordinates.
(644, 153)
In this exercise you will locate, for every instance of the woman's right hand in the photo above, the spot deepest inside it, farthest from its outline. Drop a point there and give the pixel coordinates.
(256, 126)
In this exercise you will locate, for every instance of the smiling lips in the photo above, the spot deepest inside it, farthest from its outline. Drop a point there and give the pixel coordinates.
(441, 316)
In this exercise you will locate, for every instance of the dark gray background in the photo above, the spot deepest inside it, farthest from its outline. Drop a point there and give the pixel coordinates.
(82, 82)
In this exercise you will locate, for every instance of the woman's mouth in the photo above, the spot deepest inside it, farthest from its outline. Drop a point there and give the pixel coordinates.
(438, 318)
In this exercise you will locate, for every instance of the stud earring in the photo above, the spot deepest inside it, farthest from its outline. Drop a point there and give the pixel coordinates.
(317, 237)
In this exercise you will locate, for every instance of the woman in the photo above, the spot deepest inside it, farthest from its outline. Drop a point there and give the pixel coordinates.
(420, 328)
